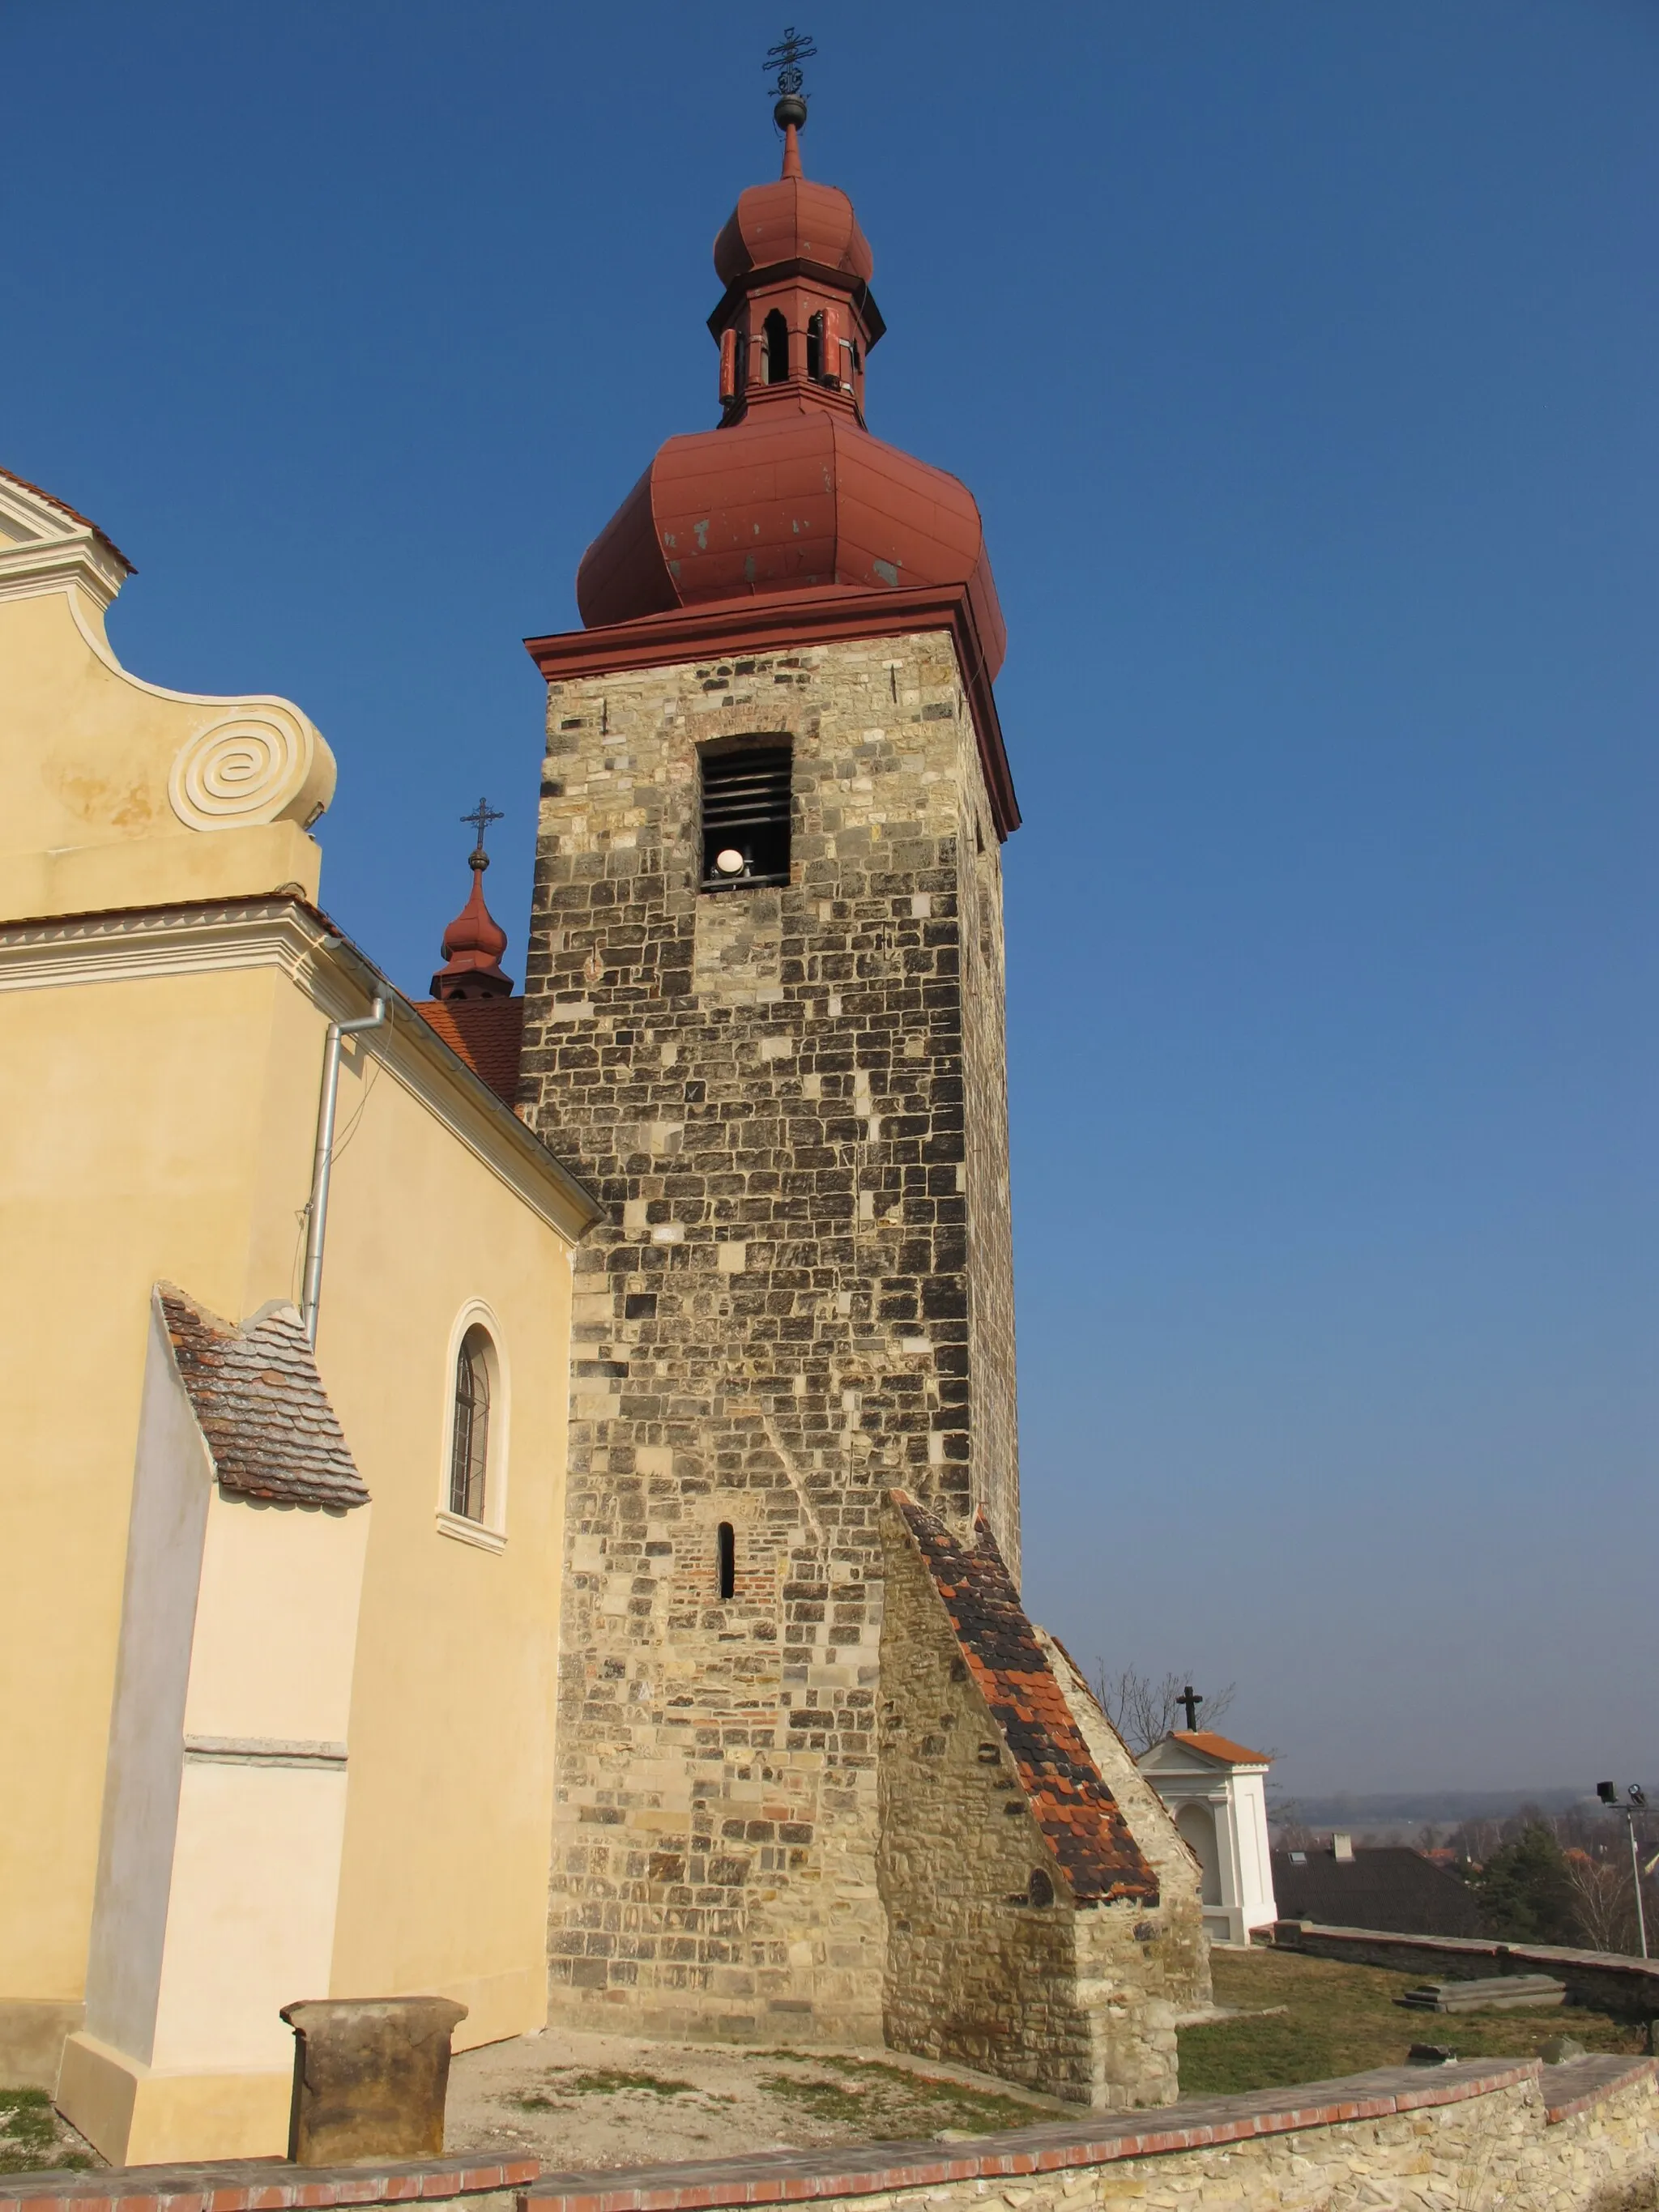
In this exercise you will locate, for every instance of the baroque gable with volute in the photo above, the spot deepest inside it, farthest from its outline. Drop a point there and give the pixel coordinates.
(115, 792)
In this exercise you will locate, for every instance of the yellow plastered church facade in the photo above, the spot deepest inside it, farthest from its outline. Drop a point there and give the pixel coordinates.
(271, 1679)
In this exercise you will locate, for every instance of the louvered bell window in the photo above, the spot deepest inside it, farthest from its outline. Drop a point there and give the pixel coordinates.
(746, 817)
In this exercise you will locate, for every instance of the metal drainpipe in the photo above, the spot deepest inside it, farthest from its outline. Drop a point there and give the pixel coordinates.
(316, 1219)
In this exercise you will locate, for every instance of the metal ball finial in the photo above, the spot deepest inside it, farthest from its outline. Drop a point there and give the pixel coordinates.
(786, 58)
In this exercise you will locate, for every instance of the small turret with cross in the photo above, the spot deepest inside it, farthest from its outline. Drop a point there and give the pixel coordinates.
(475, 941)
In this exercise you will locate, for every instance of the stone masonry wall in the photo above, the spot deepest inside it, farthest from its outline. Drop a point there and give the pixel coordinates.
(1489, 2135)
(1067, 2000)
(1607, 1979)
(1492, 2135)
(792, 1102)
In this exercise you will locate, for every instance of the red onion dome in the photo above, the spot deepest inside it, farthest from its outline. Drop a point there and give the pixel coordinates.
(790, 492)
(793, 219)
(788, 500)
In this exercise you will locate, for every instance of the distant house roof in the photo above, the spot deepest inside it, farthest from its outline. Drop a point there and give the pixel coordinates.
(1076, 1813)
(1220, 1747)
(488, 1034)
(1387, 1886)
(260, 1405)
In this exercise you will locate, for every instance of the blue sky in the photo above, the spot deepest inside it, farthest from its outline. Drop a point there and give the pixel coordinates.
(1302, 359)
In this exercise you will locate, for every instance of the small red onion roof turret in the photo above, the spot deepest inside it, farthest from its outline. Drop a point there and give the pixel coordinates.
(474, 942)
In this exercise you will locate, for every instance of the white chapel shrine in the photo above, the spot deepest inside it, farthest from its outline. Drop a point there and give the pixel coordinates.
(1216, 1789)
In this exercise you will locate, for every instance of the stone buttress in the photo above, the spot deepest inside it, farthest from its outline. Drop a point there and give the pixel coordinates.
(1034, 1932)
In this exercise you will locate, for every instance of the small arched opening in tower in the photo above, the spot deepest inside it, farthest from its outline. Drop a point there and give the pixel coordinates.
(815, 350)
(777, 348)
(725, 1558)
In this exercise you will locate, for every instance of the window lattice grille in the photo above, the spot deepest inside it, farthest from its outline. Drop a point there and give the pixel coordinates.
(469, 1449)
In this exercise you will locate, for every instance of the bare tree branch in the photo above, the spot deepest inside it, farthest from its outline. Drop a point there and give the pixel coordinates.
(1603, 1901)
(1145, 1711)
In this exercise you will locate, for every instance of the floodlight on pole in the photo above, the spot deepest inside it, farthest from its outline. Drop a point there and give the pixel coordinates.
(1635, 1798)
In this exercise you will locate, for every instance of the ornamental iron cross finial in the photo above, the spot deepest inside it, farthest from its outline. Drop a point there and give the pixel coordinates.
(785, 58)
(1190, 1698)
(482, 816)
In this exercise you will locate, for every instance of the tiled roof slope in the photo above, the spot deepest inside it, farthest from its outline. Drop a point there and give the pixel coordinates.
(1221, 1746)
(1076, 1813)
(260, 1404)
(488, 1034)
(74, 514)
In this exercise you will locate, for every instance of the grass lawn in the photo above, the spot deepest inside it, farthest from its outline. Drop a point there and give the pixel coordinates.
(1343, 2020)
(33, 2139)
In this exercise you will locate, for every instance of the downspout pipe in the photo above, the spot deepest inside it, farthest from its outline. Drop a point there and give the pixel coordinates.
(317, 1213)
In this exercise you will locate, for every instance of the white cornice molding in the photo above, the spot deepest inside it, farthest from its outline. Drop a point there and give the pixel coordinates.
(59, 949)
(28, 572)
(45, 548)
(63, 952)
(1190, 1765)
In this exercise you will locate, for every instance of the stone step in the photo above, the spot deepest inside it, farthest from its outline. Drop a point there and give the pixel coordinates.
(1507, 1991)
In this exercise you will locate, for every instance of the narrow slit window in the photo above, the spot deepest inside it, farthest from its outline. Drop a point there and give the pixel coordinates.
(469, 1450)
(726, 1556)
(815, 350)
(777, 348)
(746, 817)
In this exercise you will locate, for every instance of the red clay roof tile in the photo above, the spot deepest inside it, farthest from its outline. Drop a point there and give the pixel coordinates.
(260, 1405)
(1222, 1747)
(488, 1034)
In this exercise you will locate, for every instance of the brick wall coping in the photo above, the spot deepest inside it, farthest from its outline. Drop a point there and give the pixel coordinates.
(1638, 1977)
(263, 2184)
(1583, 2083)
(798, 2177)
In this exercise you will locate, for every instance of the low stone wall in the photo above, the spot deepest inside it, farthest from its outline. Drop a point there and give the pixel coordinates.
(1493, 2135)
(1607, 1979)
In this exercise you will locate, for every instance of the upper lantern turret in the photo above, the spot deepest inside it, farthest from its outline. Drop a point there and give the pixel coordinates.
(793, 220)
(790, 492)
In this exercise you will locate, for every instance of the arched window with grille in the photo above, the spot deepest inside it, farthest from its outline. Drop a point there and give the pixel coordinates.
(469, 1448)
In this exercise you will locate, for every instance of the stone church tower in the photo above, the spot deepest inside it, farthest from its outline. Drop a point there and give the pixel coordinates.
(763, 1016)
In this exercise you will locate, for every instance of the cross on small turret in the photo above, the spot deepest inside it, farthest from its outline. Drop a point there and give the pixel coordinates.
(1190, 1698)
(482, 816)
